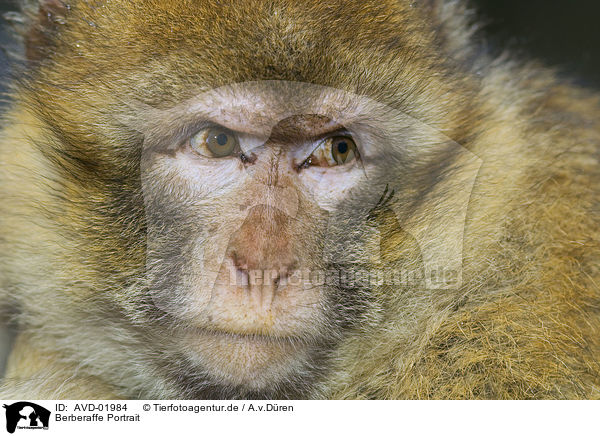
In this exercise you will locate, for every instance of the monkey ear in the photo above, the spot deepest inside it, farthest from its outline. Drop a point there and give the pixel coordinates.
(44, 18)
(454, 22)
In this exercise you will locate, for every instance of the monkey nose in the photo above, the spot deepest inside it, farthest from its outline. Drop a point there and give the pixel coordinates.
(261, 284)
(260, 255)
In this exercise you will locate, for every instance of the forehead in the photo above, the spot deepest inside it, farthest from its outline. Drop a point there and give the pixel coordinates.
(163, 53)
(281, 17)
(302, 40)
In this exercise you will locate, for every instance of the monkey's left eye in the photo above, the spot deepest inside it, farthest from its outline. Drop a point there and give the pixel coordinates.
(215, 142)
(333, 151)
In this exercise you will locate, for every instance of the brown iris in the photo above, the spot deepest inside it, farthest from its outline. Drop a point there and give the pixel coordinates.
(343, 149)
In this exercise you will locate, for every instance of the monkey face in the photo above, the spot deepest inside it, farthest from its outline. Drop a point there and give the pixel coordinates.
(247, 211)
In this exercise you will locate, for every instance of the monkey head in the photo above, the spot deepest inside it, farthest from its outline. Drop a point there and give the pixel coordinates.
(226, 178)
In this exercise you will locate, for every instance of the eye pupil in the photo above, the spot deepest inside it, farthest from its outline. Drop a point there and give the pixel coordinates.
(342, 147)
(222, 139)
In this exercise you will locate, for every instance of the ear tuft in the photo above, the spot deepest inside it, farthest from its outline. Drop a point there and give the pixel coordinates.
(455, 26)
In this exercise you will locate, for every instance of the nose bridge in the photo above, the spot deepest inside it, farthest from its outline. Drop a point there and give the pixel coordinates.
(274, 164)
(269, 166)
(263, 239)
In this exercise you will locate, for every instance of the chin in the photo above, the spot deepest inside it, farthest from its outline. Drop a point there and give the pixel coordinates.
(247, 361)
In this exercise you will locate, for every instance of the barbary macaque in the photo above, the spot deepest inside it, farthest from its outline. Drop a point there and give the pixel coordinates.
(294, 199)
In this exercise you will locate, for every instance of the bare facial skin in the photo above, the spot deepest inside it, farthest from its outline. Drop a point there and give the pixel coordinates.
(294, 199)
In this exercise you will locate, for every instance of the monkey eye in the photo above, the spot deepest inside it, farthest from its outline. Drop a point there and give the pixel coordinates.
(333, 151)
(215, 142)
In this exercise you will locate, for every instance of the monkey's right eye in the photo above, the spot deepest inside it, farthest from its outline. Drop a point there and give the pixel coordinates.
(215, 142)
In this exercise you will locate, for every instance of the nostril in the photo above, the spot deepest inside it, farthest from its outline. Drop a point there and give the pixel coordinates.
(290, 268)
(238, 262)
(282, 274)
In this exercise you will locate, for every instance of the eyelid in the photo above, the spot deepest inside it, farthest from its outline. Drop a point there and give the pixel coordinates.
(334, 133)
(180, 137)
(194, 129)
(244, 139)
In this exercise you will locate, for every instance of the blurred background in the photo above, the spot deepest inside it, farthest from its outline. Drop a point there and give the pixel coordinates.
(563, 34)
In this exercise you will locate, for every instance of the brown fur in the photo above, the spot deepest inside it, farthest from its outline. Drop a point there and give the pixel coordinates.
(525, 322)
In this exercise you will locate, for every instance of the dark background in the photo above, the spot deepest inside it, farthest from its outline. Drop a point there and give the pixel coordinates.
(565, 34)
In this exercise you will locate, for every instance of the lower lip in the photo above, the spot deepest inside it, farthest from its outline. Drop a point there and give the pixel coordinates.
(247, 337)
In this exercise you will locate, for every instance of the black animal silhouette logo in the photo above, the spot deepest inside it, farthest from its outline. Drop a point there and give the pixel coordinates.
(26, 415)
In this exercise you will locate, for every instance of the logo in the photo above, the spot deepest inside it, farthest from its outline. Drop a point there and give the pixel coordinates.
(26, 415)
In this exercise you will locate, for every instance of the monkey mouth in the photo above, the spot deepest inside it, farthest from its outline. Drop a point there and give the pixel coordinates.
(261, 338)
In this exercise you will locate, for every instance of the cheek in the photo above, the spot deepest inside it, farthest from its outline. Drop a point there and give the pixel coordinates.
(329, 187)
(194, 200)
(202, 177)
(189, 214)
